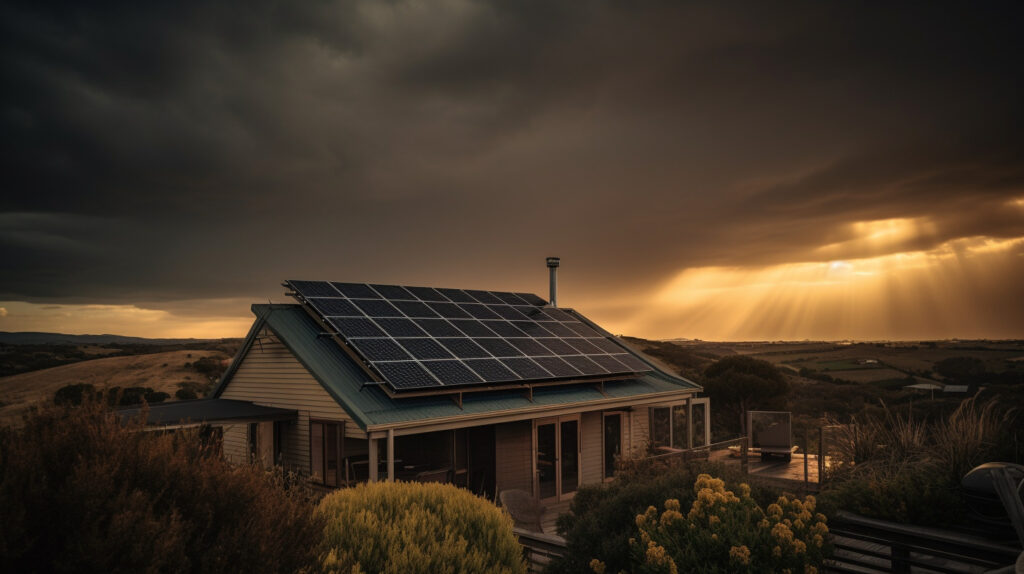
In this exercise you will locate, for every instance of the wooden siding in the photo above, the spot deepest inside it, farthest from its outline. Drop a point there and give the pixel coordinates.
(236, 443)
(591, 435)
(513, 464)
(270, 375)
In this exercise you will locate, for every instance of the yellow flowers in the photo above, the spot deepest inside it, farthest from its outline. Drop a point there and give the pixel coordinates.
(597, 566)
(740, 554)
(730, 531)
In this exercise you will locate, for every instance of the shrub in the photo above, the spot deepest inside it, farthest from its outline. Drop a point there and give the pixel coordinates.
(603, 516)
(185, 394)
(155, 396)
(73, 394)
(82, 491)
(723, 532)
(413, 527)
(909, 495)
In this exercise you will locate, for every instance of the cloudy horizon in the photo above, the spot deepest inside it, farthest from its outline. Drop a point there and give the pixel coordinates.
(750, 172)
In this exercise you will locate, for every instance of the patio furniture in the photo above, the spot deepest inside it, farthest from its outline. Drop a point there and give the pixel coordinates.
(433, 475)
(526, 511)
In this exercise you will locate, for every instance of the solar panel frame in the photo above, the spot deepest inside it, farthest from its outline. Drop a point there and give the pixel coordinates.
(510, 298)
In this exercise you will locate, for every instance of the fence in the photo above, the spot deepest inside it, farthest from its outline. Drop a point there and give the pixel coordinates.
(866, 545)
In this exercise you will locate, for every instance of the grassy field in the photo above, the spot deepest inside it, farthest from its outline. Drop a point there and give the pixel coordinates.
(159, 371)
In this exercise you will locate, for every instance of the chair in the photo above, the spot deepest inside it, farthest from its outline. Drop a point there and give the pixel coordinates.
(526, 511)
(434, 475)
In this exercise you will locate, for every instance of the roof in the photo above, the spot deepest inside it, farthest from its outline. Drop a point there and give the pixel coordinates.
(370, 407)
(207, 410)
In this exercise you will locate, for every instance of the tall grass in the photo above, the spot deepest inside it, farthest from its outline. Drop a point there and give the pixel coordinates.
(909, 469)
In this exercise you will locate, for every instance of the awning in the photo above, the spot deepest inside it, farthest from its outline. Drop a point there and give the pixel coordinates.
(207, 411)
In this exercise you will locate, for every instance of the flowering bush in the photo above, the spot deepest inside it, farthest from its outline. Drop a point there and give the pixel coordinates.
(723, 532)
(407, 527)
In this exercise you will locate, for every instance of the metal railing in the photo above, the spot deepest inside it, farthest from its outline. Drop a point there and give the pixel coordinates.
(869, 545)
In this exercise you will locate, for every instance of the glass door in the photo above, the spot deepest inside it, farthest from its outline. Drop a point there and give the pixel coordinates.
(612, 442)
(557, 448)
(547, 461)
(569, 459)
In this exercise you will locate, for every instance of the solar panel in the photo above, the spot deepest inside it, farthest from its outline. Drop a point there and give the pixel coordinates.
(452, 372)
(419, 338)
(393, 292)
(334, 307)
(400, 327)
(492, 371)
(314, 288)
(356, 290)
(381, 349)
(406, 375)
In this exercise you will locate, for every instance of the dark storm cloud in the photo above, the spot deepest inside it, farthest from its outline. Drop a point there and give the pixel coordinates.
(173, 151)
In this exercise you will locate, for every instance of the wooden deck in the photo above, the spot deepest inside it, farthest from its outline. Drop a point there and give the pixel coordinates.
(551, 513)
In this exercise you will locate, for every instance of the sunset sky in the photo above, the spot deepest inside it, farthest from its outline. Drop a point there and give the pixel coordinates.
(717, 171)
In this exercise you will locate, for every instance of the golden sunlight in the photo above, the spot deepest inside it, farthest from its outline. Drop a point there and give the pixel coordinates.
(909, 295)
(127, 320)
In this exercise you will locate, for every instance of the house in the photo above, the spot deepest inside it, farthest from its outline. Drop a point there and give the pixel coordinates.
(488, 390)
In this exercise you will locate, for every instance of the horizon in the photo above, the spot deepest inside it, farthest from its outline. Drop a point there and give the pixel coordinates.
(769, 173)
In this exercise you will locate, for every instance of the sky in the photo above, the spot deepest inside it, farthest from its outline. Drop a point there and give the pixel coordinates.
(740, 171)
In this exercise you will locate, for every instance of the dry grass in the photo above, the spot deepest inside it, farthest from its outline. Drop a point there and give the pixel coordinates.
(159, 371)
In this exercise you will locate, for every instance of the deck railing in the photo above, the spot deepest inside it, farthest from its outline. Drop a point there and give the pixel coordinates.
(539, 549)
(865, 545)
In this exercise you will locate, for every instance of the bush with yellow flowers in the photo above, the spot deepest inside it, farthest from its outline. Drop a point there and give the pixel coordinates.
(415, 528)
(724, 531)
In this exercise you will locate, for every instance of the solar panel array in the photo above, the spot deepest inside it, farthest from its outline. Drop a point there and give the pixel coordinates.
(421, 337)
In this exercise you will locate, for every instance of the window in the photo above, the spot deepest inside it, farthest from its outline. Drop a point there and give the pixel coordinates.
(661, 429)
(325, 442)
(669, 426)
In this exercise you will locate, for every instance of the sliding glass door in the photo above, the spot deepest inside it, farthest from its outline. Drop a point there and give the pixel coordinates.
(557, 457)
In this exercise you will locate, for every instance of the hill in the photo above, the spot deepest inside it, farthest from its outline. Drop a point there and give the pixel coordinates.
(38, 338)
(159, 371)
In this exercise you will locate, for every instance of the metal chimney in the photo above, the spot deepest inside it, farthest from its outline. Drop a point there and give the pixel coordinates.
(553, 266)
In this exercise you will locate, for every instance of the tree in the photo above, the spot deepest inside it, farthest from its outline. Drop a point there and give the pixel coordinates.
(738, 383)
(73, 395)
(965, 370)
